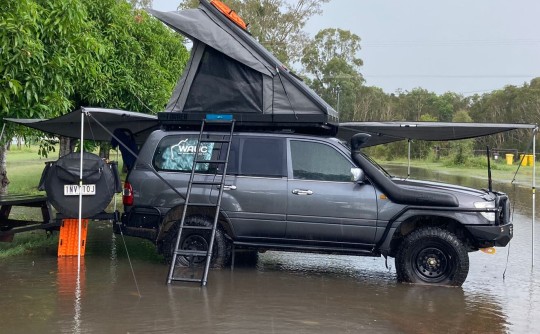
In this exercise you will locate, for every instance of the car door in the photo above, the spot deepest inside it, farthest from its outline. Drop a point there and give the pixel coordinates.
(255, 192)
(324, 204)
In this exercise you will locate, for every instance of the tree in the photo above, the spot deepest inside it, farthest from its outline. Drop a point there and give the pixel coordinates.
(58, 55)
(372, 104)
(332, 65)
(135, 46)
(276, 24)
(42, 46)
(461, 150)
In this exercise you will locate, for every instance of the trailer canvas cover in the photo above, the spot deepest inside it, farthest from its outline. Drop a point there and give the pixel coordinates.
(229, 72)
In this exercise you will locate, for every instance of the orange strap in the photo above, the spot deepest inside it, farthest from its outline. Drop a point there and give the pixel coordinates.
(231, 14)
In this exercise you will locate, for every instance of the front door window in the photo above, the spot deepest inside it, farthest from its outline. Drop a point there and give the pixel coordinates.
(317, 161)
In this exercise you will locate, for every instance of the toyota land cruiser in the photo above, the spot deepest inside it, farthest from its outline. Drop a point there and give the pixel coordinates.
(298, 192)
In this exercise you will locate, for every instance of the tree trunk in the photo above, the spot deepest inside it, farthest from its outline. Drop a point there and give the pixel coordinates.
(67, 145)
(4, 181)
(104, 151)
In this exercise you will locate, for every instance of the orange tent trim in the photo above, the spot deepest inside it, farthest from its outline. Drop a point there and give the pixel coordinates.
(231, 14)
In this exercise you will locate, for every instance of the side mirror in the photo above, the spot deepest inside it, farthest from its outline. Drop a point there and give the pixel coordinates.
(358, 175)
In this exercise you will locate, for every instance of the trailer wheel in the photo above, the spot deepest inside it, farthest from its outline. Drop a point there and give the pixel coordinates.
(199, 240)
(434, 256)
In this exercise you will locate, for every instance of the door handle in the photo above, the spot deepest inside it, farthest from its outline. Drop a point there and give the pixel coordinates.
(302, 192)
(228, 187)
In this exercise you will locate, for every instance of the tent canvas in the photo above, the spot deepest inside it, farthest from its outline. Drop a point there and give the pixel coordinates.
(230, 72)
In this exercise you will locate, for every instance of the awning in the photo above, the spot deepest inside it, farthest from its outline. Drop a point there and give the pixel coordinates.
(69, 125)
(387, 132)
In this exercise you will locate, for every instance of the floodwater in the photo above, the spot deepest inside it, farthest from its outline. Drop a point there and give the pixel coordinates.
(284, 293)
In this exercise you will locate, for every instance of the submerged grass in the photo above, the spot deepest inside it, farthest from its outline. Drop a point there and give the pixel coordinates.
(475, 167)
(28, 242)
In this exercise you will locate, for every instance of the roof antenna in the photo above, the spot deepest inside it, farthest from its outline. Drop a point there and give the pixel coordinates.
(490, 181)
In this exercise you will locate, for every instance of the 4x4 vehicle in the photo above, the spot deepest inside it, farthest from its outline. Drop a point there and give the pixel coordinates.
(299, 192)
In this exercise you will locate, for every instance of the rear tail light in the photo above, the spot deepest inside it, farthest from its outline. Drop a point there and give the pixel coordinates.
(127, 194)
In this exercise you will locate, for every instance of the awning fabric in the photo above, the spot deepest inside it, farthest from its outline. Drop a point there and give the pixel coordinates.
(69, 125)
(387, 132)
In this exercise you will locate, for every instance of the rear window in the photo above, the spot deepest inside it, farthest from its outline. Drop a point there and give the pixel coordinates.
(249, 156)
(176, 154)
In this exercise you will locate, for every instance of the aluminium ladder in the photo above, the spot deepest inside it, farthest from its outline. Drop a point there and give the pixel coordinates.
(219, 181)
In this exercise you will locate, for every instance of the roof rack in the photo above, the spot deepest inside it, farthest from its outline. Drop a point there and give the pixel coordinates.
(309, 124)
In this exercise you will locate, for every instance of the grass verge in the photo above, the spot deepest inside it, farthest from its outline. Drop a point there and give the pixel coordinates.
(27, 242)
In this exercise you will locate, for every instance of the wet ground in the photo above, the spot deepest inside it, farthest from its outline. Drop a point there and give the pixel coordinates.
(284, 293)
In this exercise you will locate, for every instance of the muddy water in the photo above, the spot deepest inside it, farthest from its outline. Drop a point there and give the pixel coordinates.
(284, 293)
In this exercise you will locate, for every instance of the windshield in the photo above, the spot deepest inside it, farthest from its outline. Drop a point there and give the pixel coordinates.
(379, 167)
(373, 162)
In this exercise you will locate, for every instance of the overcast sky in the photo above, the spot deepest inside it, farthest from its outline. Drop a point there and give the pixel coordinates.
(463, 46)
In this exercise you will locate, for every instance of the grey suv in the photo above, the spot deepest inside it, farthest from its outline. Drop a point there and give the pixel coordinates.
(296, 192)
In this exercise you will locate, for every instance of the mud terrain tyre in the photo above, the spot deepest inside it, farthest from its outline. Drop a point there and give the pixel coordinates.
(434, 256)
(197, 240)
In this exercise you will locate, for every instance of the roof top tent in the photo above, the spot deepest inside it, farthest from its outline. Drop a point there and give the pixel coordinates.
(229, 72)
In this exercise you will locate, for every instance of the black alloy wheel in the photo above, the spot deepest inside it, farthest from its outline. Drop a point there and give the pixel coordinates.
(432, 255)
(197, 240)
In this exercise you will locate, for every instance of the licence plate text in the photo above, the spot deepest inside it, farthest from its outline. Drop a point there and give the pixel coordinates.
(73, 189)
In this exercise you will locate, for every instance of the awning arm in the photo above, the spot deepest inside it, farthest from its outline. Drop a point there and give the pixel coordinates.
(136, 157)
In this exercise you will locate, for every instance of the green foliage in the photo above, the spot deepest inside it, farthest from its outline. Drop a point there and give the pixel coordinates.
(134, 46)
(46, 146)
(59, 55)
(461, 150)
(42, 49)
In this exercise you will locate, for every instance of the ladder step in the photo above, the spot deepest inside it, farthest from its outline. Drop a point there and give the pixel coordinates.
(203, 204)
(191, 227)
(208, 183)
(186, 279)
(191, 252)
(210, 161)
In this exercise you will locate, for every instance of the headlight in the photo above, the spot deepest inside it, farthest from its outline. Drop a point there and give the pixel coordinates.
(486, 205)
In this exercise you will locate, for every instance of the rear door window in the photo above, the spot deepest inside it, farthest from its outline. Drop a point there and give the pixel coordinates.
(259, 156)
(176, 154)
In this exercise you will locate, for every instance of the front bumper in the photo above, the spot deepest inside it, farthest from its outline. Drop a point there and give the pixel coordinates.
(489, 236)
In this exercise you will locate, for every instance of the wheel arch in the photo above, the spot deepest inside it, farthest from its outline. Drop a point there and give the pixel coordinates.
(415, 222)
(175, 214)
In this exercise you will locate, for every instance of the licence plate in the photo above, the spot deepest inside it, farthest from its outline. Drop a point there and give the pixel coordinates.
(73, 189)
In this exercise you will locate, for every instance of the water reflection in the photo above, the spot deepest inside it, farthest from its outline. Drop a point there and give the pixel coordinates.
(71, 284)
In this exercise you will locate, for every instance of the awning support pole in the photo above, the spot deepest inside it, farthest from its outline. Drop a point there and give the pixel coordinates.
(409, 159)
(80, 193)
(533, 192)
